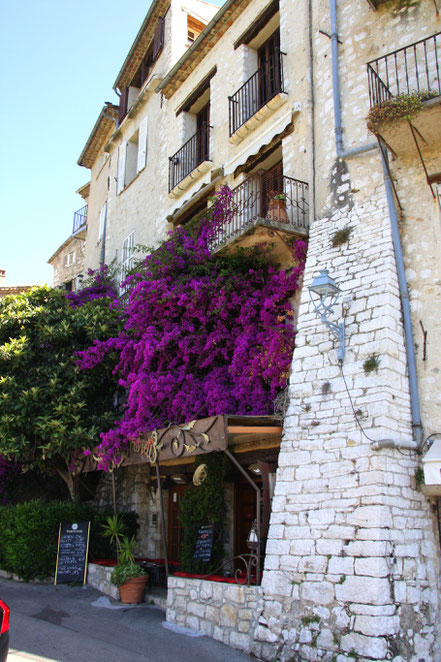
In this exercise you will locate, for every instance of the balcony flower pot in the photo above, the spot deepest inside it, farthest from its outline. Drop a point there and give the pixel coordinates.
(277, 208)
(131, 580)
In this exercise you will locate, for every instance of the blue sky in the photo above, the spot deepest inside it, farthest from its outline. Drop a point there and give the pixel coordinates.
(59, 61)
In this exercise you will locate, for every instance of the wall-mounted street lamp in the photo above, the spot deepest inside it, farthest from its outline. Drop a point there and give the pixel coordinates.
(324, 293)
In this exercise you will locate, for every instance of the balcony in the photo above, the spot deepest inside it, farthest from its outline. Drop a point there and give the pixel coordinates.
(80, 223)
(414, 68)
(259, 216)
(189, 162)
(258, 97)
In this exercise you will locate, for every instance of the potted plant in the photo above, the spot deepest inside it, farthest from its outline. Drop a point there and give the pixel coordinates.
(130, 578)
(277, 207)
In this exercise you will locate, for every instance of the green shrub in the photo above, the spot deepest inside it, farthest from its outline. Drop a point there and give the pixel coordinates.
(125, 571)
(201, 506)
(29, 535)
(396, 109)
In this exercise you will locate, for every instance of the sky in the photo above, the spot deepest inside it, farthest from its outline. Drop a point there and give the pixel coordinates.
(58, 64)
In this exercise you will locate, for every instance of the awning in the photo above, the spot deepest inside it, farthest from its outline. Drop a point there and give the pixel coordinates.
(179, 444)
(261, 139)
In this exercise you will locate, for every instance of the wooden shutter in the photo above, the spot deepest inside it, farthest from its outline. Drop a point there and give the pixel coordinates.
(158, 39)
(103, 212)
(123, 102)
(122, 154)
(142, 145)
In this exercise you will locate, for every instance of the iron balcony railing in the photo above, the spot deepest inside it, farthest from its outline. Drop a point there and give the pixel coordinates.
(257, 91)
(79, 219)
(192, 153)
(414, 68)
(289, 207)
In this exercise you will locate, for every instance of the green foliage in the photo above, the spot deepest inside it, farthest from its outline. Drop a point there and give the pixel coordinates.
(29, 535)
(341, 236)
(371, 364)
(201, 506)
(396, 109)
(114, 529)
(123, 572)
(127, 547)
(419, 476)
(49, 411)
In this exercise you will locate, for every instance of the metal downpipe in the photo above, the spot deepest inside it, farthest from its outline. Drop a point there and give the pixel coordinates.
(338, 128)
(404, 296)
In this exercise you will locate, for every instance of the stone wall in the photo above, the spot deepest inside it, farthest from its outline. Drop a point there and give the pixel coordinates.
(134, 492)
(340, 577)
(68, 262)
(226, 612)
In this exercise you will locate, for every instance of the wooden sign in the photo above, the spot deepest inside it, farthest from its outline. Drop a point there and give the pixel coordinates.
(204, 543)
(73, 548)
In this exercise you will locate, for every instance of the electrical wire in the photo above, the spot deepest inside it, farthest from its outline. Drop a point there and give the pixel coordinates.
(356, 415)
(352, 404)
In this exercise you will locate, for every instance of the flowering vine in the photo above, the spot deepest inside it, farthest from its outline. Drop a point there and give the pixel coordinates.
(204, 334)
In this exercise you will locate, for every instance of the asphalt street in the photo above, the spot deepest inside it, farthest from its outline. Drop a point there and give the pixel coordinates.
(79, 624)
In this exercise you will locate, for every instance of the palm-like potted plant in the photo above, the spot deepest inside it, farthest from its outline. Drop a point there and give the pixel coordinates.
(130, 578)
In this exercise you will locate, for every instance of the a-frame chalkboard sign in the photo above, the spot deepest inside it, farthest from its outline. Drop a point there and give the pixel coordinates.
(73, 548)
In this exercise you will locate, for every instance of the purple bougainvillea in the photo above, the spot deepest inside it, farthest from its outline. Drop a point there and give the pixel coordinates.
(100, 284)
(203, 334)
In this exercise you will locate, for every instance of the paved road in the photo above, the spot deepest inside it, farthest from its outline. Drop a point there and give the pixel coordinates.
(65, 624)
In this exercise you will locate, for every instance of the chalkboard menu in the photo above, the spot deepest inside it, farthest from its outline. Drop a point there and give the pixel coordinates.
(73, 546)
(204, 543)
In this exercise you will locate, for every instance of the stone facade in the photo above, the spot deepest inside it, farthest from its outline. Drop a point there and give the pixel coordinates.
(352, 558)
(226, 612)
(68, 264)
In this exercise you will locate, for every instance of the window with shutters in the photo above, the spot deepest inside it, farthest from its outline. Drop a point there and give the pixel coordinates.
(130, 93)
(127, 256)
(132, 156)
(102, 221)
(69, 259)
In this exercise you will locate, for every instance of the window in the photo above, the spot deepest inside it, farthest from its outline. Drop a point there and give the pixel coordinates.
(69, 259)
(127, 256)
(132, 156)
(129, 93)
(102, 222)
(194, 28)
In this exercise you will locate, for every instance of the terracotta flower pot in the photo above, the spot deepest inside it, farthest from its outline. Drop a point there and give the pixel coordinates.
(132, 592)
(277, 211)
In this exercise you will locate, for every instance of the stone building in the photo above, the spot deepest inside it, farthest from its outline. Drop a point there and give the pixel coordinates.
(68, 260)
(271, 98)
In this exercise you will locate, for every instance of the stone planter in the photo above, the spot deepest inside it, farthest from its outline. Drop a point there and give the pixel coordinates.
(132, 592)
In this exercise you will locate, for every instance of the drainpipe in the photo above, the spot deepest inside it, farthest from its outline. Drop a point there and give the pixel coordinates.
(341, 153)
(405, 305)
(404, 294)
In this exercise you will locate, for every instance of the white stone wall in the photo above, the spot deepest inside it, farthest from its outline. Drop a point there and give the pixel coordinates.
(225, 612)
(352, 559)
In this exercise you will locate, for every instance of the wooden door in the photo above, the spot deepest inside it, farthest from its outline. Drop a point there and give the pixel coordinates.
(203, 123)
(175, 530)
(269, 68)
(271, 184)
